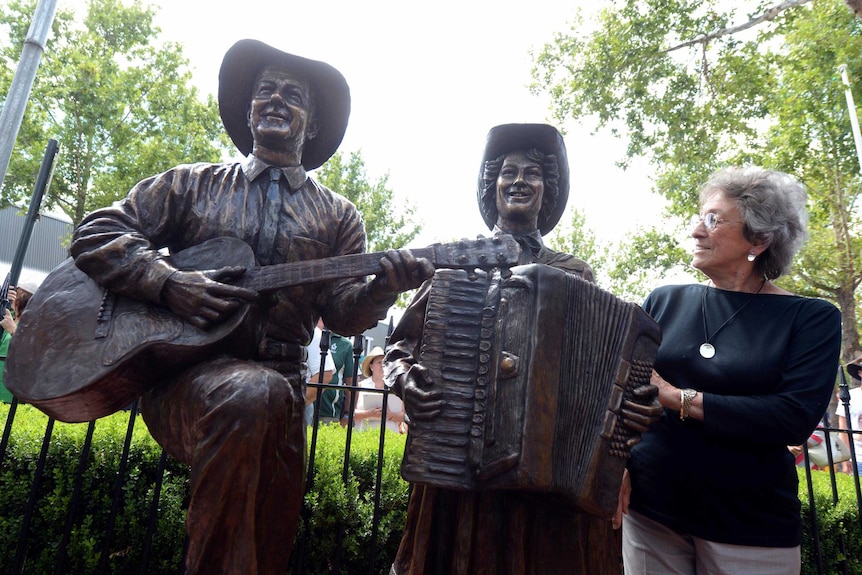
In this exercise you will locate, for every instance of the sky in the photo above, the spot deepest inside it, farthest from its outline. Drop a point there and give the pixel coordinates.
(428, 80)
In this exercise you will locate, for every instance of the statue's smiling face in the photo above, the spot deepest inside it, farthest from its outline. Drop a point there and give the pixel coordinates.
(281, 108)
(520, 187)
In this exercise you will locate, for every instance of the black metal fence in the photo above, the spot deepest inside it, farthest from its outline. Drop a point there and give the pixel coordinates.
(105, 545)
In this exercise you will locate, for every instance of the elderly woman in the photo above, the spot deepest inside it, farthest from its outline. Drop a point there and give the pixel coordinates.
(744, 369)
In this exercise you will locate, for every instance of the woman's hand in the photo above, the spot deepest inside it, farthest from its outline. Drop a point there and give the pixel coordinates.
(668, 395)
(373, 413)
(623, 503)
(8, 323)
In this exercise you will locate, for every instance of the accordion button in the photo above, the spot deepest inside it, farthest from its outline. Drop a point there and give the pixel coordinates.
(507, 365)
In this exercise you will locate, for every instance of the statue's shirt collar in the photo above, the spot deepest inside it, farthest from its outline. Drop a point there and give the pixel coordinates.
(254, 167)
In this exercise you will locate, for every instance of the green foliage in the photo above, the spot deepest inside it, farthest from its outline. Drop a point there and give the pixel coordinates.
(389, 223)
(691, 90)
(835, 521)
(644, 258)
(91, 520)
(576, 238)
(347, 508)
(334, 506)
(338, 510)
(121, 107)
(630, 269)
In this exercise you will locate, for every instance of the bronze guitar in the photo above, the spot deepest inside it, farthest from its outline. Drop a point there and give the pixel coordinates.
(81, 352)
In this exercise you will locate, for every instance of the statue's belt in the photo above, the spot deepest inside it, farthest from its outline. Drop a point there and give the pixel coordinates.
(272, 349)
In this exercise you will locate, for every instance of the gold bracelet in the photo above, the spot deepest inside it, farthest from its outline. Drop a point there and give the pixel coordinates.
(686, 396)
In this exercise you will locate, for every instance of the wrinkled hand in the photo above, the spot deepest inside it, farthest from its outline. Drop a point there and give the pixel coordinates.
(200, 297)
(668, 395)
(8, 323)
(625, 498)
(421, 401)
(401, 271)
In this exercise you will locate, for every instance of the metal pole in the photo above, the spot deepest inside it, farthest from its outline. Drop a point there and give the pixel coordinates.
(22, 82)
(854, 121)
(43, 182)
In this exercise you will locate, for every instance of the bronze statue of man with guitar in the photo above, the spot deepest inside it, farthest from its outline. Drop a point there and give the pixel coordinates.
(172, 306)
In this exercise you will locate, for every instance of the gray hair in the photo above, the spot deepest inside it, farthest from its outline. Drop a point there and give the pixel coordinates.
(772, 207)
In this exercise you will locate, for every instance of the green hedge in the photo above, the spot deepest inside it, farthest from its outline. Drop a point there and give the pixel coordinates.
(331, 503)
(345, 511)
(85, 545)
(834, 520)
(336, 511)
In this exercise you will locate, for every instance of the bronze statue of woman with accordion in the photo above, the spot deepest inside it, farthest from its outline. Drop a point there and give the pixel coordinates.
(525, 390)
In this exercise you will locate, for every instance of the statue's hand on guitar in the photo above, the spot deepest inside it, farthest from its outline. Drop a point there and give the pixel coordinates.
(202, 298)
(112, 348)
(400, 271)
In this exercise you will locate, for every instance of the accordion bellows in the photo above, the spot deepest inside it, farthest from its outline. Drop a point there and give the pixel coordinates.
(534, 367)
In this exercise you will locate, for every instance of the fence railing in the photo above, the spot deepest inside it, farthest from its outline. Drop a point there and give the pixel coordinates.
(17, 563)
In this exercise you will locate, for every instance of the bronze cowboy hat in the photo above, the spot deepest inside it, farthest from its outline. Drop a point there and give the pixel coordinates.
(545, 138)
(239, 69)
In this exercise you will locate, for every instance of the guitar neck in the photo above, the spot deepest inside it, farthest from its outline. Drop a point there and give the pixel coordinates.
(267, 278)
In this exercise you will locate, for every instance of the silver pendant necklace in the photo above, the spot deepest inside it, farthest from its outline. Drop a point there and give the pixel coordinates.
(707, 350)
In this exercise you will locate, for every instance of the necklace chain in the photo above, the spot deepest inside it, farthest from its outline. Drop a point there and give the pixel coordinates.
(707, 350)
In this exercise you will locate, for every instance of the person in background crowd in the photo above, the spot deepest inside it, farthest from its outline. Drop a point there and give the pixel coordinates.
(332, 405)
(744, 369)
(855, 406)
(18, 298)
(313, 373)
(369, 405)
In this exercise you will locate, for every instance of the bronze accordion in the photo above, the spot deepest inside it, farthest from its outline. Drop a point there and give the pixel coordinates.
(534, 368)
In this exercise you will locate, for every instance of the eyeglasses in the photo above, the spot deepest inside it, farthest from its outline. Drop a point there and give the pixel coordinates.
(709, 221)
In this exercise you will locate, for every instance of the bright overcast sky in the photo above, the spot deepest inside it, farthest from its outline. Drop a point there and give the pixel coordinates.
(428, 80)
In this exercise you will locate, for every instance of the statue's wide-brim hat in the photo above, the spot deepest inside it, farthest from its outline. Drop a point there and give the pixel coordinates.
(239, 69)
(507, 138)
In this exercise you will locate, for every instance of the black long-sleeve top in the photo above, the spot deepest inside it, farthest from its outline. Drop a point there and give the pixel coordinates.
(730, 478)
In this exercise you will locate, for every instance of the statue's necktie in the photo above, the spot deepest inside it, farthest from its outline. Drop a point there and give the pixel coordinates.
(530, 246)
(269, 219)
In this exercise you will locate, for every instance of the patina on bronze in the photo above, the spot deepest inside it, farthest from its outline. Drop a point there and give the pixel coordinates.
(235, 412)
(506, 501)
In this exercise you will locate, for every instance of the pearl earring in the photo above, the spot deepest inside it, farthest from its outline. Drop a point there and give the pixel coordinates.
(751, 256)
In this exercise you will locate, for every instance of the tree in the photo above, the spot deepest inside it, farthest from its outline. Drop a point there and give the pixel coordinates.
(630, 267)
(692, 92)
(576, 238)
(389, 223)
(121, 107)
